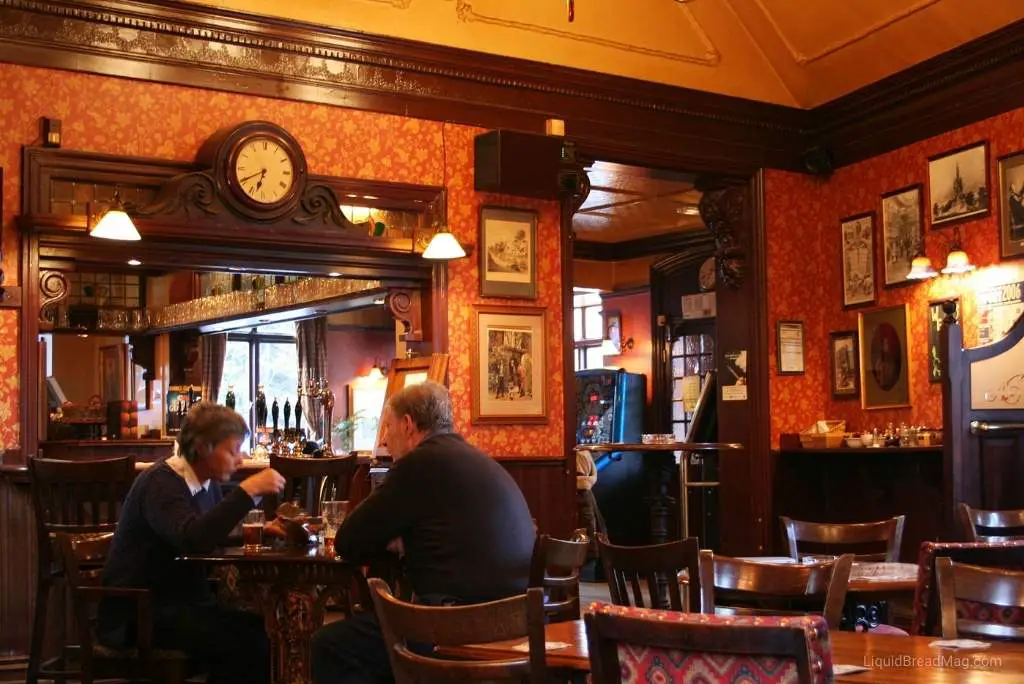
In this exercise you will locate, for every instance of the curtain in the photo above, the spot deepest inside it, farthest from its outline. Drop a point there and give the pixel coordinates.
(214, 349)
(311, 339)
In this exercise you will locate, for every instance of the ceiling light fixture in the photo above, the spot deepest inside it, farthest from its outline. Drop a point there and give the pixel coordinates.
(115, 224)
(334, 274)
(134, 262)
(443, 246)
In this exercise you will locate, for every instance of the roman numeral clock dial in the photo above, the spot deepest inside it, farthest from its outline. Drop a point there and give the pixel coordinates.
(264, 171)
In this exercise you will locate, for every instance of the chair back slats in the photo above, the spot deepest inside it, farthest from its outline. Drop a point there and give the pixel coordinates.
(733, 585)
(991, 526)
(79, 497)
(555, 568)
(992, 587)
(659, 567)
(871, 541)
(406, 625)
(306, 477)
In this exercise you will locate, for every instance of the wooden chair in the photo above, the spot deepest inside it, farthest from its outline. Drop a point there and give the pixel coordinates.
(742, 587)
(310, 481)
(83, 558)
(659, 564)
(996, 589)
(641, 645)
(405, 624)
(556, 570)
(995, 526)
(826, 537)
(73, 497)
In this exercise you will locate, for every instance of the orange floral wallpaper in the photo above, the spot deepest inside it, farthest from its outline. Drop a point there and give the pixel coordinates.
(803, 214)
(170, 122)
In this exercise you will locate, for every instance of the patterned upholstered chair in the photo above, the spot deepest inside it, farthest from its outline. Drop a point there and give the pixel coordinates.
(1000, 591)
(645, 645)
(927, 614)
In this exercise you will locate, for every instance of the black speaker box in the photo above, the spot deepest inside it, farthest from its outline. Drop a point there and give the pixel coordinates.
(522, 164)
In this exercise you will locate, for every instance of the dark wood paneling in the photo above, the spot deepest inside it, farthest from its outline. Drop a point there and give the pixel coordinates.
(550, 490)
(861, 485)
(17, 561)
(631, 249)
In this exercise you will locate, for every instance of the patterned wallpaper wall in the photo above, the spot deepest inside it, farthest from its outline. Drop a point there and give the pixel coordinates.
(124, 117)
(803, 216)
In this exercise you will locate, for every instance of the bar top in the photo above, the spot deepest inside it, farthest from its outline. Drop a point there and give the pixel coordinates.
(888, 451)
(110, 442)
(663, 446)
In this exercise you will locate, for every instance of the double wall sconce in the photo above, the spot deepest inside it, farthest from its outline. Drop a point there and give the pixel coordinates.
(957, 261)
(115, 224)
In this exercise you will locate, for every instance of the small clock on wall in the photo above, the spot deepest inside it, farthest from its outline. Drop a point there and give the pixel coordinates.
(259, 167)
(706, 275)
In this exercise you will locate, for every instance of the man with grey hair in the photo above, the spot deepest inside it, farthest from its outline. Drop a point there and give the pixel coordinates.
(458, 517)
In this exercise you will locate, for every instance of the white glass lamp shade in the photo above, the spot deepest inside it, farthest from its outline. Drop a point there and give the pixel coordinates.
(958, 262)
(115, 225)
(443, 246)
(921, 268)
(608, 348)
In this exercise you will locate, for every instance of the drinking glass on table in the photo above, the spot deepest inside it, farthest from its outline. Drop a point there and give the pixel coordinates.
(252, 530)
(333, 513)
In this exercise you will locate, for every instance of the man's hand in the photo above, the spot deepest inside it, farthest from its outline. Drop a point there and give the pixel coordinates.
(267, 481)
(275, 528)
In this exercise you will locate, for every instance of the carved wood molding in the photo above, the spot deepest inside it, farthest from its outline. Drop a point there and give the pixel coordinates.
(722, 212)
(53, 289)
(406, 305)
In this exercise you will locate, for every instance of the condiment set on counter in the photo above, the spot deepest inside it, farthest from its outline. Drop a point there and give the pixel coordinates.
(905, 436)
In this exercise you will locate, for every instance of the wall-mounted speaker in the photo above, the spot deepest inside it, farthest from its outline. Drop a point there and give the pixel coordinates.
(818, 160)
(522, 164)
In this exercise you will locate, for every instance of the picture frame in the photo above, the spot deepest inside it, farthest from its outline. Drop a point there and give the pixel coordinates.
(902, 233)
(509, 365)
(844, 356)
(113, 378)
(857, 257)
(508, 253)
(405, 372)
(884, 357)
(935, 317)
(1011, 205)
(958, 185)
(613, 329)
(789, 336)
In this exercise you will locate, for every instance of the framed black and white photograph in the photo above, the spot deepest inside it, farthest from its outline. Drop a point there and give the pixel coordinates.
(958, 185)
(508, 365)
(902, 232)
(790, 340)
(1011, 205)
(858, 259)
(508, 253)
(844, 361)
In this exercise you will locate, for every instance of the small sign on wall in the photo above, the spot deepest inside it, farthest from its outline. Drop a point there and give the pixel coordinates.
(699, 306)
(734, 377)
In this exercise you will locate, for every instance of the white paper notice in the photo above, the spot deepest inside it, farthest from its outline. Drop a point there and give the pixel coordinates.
(690, 391)
(699, 305)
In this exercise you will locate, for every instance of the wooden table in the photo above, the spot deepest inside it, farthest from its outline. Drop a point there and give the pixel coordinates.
(291, 587)
(892, 659)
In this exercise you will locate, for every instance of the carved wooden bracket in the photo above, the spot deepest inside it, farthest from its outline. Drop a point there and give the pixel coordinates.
(722, 212)
(53, 289)
(406, 305)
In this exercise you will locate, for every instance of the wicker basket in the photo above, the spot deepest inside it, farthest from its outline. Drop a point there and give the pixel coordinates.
(825, 434)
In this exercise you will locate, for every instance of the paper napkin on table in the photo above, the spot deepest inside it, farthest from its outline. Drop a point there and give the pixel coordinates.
(840, 670)
(548, 646)
(959, 644)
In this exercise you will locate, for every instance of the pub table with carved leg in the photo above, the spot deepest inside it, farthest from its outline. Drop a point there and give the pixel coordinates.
(291, 587)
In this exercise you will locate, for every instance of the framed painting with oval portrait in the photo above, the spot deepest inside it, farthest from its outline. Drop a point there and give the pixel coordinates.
(884, 358)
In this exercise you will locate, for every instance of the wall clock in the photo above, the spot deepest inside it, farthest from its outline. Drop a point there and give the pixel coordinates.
(259, 167)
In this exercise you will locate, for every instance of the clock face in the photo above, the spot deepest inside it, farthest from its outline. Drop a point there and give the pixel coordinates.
(264, 170)
(706, 275)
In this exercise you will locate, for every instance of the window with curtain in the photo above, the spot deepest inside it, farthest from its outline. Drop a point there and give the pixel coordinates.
(588, 328)
(268, 356)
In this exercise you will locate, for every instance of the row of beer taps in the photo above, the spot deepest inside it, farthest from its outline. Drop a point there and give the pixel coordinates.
(318, 391)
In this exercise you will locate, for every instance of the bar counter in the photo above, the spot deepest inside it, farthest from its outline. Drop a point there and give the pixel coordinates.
(144, 450)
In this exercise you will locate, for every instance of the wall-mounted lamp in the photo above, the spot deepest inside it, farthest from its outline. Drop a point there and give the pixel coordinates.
(443, 246)
(115, 224)
(609, 348)
(957, 261)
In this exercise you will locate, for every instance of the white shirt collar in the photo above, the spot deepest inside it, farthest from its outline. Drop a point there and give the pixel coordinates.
(183, 468)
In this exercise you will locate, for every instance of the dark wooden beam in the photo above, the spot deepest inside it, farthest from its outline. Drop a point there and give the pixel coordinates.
(641, 247)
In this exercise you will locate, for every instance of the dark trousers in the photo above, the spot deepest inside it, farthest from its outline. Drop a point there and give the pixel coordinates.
(231, 645)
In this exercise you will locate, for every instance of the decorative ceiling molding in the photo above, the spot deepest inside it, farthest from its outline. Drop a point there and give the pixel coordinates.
(710, 57)
(803, 60)
(399, 4)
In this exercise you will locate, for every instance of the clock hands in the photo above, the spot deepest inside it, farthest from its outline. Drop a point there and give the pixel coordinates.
(261, 173)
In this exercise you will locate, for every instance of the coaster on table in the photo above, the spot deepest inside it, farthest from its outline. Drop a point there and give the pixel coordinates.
(840, 670)
(960, 644)
(548, 646)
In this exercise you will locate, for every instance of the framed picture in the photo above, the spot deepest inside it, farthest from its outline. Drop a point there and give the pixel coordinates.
(790, 338)
(958, 185)
(508, 253)
(935, 317)
(858, 257)
(112, 372)
(1011, 205)
(844, 359)
(613, 329)
(884, 358)
(405, 372)
(902, 233)
(508, 365)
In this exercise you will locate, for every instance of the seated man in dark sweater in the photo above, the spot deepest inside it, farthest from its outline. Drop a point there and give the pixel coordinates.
(461, 519)
(176, 507)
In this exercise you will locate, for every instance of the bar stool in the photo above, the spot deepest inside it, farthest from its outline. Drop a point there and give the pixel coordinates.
(73, 497)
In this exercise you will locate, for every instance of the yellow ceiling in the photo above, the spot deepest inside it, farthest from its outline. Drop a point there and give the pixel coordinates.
(794, 52)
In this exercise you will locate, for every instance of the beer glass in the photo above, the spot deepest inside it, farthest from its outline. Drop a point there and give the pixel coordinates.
(252, 530)
(333, 513)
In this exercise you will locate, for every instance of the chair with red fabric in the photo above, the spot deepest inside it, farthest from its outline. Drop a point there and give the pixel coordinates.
(1000, 591)
(629, 644)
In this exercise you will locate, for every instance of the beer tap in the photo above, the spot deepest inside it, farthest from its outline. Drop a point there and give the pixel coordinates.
(275, 412)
